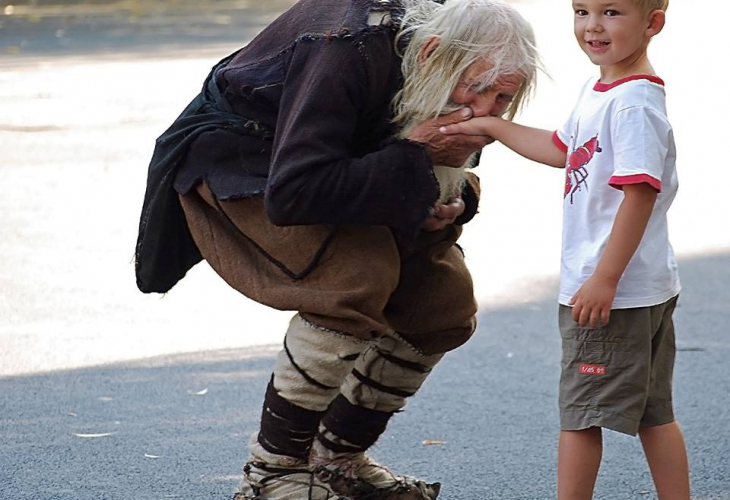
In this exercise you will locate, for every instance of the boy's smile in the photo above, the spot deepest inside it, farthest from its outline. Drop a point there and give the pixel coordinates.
(614, 34)
(598, 46)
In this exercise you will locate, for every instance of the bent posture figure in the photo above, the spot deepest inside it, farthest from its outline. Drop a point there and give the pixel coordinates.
(304, 175)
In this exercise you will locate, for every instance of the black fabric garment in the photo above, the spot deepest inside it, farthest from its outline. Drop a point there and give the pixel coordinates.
(165, 249)
(303, 115)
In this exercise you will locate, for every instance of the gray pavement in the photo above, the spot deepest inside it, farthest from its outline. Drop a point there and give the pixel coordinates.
(109, 394)
(178, 425)
(73, 27)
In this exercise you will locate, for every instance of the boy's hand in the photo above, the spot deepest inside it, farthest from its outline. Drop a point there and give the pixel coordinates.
(445, 150)
(474, 127)
(592, 302)
(443, 215)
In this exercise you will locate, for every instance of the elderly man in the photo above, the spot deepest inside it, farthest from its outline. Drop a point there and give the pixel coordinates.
(304, 173)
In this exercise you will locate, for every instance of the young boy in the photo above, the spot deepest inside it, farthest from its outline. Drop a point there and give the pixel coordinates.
(619, 282)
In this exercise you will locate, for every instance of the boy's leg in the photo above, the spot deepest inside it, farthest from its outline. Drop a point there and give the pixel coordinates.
(667, 456)
(432, 312)
(579, 457)
(660, 434)
(602, 385)
(618, 376)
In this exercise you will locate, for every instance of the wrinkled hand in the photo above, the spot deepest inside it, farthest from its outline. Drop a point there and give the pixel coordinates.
(443, 215)
(592, 302)
(448, 150)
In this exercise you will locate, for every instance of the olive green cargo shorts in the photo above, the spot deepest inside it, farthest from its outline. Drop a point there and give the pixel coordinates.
(619, 376)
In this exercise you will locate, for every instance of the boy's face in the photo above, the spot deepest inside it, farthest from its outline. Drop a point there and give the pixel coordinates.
(613, 33)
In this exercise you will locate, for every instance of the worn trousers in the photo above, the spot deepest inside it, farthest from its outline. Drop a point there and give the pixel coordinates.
(355, 279)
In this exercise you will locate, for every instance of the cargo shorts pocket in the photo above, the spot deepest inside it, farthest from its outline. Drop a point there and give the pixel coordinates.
(602, 369)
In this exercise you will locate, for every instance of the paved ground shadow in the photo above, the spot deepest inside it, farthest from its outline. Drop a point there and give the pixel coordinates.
(178, 426)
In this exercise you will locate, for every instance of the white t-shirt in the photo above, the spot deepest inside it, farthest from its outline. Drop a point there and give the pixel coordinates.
(618, 134)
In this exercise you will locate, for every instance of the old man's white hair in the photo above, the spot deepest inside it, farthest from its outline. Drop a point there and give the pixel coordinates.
(468, 31)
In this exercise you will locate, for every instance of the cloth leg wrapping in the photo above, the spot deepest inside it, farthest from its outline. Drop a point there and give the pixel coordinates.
(307, 377)
(348, 428)
(387, 373)
(286, 429)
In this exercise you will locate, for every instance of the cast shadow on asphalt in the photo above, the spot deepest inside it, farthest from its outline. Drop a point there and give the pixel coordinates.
(178, 426)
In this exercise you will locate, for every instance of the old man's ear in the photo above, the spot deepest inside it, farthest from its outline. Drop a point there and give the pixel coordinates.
(427, 49)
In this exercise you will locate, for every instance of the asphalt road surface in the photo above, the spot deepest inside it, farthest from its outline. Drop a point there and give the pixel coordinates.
(177, 426)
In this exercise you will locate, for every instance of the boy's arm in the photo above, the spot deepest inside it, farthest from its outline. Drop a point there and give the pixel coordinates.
(533, 143)
(592, 302)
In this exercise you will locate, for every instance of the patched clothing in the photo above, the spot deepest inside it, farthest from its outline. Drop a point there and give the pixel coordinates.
(301, 115)
(345, 278)
(286, 176)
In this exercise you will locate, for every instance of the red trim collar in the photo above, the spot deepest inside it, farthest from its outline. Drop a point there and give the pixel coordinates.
(603, 87)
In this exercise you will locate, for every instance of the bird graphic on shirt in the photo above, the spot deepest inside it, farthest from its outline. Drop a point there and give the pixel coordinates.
(576, 173)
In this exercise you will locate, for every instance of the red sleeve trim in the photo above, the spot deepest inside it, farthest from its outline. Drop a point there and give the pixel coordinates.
(560, 144)
(621, 180)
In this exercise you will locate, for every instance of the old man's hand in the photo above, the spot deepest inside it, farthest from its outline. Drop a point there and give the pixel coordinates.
(448, 150)
(443, 215)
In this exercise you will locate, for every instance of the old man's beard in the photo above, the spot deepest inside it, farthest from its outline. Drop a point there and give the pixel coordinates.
(451, 180)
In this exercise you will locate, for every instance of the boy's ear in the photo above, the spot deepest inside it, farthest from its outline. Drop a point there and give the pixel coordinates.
(428, 48)
(656, 22)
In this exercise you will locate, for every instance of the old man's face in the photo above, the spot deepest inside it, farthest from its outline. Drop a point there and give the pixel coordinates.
(491, 100)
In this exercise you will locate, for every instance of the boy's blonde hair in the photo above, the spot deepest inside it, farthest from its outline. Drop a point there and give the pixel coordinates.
(648, 6)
